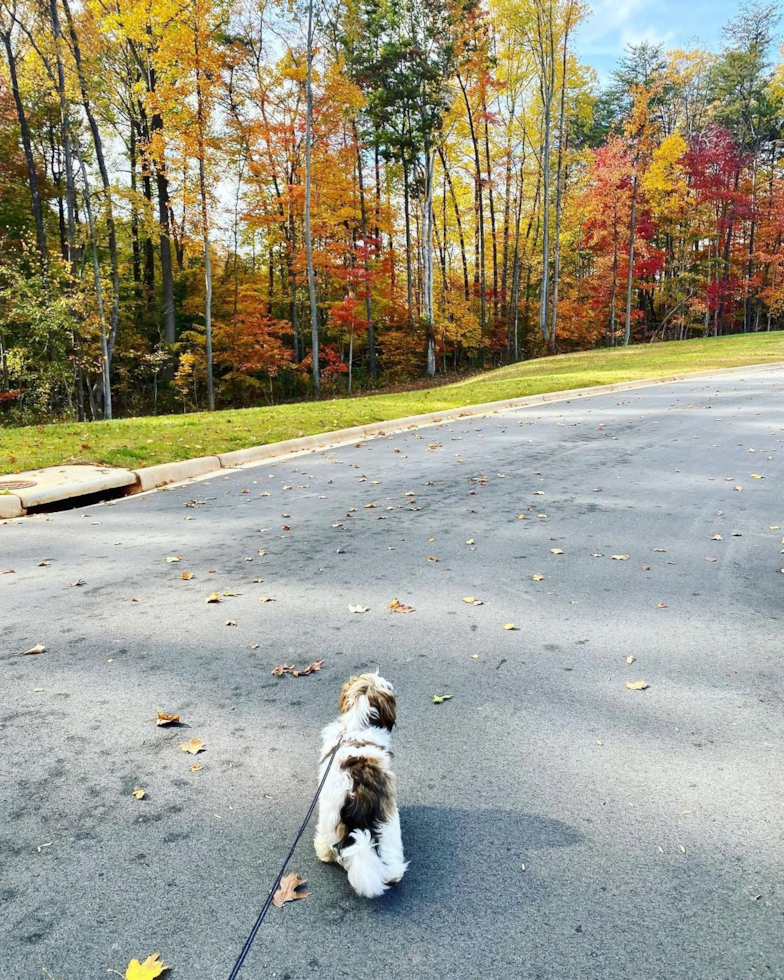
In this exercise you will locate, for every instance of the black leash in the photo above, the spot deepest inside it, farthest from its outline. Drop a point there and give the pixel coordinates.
(268, 901)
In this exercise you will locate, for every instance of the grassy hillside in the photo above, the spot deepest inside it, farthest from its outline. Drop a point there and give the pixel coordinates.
(145, 441)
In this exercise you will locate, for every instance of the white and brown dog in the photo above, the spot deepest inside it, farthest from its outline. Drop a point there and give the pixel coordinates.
(358, 824)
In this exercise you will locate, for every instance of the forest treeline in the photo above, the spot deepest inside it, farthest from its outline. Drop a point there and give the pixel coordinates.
(233, 202)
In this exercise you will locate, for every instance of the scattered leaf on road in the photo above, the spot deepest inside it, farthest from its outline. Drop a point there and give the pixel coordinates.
(138, 794)
(287, 890)
(151, 968)
(266, 598)
(509, 626)
(213, 597)
(174, 558)
(537, 577)
(357, 609)
(556, 551)
(164, 719)
(193, 746)
(619, 557)
(630, 660)
(396, 606)
(440, 698)
(186, 576)
(637, 685)
(38, 648)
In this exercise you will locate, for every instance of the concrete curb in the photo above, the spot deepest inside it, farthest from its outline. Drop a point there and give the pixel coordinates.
(152, 477)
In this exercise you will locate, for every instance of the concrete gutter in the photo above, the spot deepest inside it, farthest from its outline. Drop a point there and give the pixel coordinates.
(59, 483)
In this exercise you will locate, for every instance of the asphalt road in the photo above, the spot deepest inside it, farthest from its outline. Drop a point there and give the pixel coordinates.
(649, 823)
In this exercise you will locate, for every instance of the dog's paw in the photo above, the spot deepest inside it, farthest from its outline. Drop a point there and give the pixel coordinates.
(324, 850)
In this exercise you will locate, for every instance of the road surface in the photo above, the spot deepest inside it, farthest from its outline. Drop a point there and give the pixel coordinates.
(560, 826)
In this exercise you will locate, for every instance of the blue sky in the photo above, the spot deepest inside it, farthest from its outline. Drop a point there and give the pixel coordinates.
(674, 23)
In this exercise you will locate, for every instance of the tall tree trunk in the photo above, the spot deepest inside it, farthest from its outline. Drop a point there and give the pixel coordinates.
(627, 332)
(480, 208)
(106, 351)
(65, 128)
(427, 261)
(559, 192)
(459, 223)
(27, 146)
(491, 202)
(366, 263)
(314, 325)
(201, 127)
(111, 234)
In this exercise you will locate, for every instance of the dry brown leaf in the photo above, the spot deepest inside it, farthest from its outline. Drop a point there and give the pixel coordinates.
(150, 969)
(310, 669)
(8, 571)
(287, 890)
(432, 560)
(164, 719)
(38, 648)
(637, 685)
(186, 576)
(193, 746)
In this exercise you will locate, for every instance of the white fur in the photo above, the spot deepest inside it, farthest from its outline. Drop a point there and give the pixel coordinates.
(375, 859)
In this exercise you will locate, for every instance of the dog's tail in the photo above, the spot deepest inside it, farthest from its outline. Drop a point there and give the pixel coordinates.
(367, 873)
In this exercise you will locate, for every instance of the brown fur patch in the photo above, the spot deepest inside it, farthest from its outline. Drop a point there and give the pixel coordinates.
(372, 796)
(382, 702)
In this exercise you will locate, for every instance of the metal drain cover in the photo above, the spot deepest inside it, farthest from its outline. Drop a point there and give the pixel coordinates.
(16, 484)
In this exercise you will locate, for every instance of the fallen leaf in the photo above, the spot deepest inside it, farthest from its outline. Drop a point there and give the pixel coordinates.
(470, 541)
(619, 557)
(757, 476)
(164, 719)
(149, 970)
(287, 890)
(213, 597)
(357, 609)
(193, 746)
(43, 564)
(556, 551)
(431, 560)
(173, 558)
(738, 487)
(186, 576)
(537, 577)
(8, 571)
(266, 598)
(710, 559)
(440, 698)
(77, 583)
(646, 568)
(38, 648)
(597, 554)
(661, 605)
(637, 685)
(230, 622)
(716, 537)
(196, 767)
(509, 626)
(138, 794)
(396, 606)
(310, 669)
(474, 656)
(630, 660)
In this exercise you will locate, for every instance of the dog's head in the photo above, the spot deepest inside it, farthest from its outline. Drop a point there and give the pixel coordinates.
(372, 698)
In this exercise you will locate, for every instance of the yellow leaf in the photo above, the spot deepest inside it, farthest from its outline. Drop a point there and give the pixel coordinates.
(637, 685)
(174, 558)
(509, 626)
(149, 970)
(138, 794)
(537, 577)
(630, 660)
(213, 597)
(556, 551)
(164, 719)
(440, 698)
(186, 576)
(193, 746)
(757, 476)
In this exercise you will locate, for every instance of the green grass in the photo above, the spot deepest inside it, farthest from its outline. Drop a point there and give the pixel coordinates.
(149, 440)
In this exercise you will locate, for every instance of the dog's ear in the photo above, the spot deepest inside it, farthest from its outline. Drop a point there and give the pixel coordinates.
(345, 703)
(386, 708)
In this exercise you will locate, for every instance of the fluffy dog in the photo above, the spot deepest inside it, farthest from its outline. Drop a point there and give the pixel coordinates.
(358, 823)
